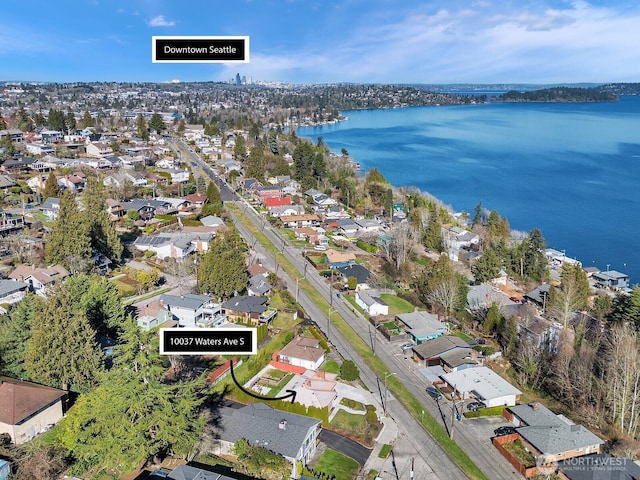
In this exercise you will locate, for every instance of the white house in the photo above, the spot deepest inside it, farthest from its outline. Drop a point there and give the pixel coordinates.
(483, 384)
(369, 301)
(303, 352)
(192, 310)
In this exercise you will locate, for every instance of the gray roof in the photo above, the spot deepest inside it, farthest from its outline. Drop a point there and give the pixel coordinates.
(440, 345)
(370, 298)
(260, 424)
(51, 203)
(422, 324)
(247, 304)
(361, 273)
(7, 287)
(536, 295)
(189, 301)
(186, 472)
(549, 433)
(259, 284)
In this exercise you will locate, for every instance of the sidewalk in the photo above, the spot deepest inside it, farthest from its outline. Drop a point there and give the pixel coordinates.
(388, 435)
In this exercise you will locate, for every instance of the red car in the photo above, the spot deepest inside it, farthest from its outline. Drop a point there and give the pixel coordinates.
(514, 299)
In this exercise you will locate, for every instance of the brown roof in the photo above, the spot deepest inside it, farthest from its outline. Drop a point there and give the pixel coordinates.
(43, 275)
(19, 400)
(334, 256)
(304, 348)
(151, 309)
(299, 218)
(256, 269)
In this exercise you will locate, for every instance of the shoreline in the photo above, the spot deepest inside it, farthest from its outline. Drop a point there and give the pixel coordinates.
(515, 233)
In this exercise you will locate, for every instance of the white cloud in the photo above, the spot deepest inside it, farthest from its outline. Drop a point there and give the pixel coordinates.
(160, 21)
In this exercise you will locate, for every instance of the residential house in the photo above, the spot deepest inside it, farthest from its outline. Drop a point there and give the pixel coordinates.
(188, 472)
(285, 210)
(270, 202)
(6, 182)
(293, 436)
(451, 352)
(98, 149)
(483, 296)
(39, 149)
(195, 200)
(212, 221)
(249, 185)
(74, 183)
(247, 309)
(366, 225)
(422, 326)
(299, 220)
(154, 314)
(115, 209)
(337, 259)
(538, 296)
(348, 227)
(360, 273)
(27, 409)
(259, 286)
(12, 291)
(51, 207)
(148, 208)
(550, 437)
(484, 385)
(18, 165)
(303, 352)
(192, 310)
(371, 303)
(320, 199)
(313, 235)
(612, 279)
(174, 245)
(40, 280)
(178, 175)
(15, 134)
(36, 183)
(269, 191)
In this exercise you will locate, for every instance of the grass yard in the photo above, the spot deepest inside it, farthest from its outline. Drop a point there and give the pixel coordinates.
(337, 465)
(396, 304)
(349, 422)
(331, 366)
(516, 449)
(353, 404)
(486, 412)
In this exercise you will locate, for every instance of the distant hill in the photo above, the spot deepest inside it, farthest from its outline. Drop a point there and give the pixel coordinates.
(621, 88)
(559, 94)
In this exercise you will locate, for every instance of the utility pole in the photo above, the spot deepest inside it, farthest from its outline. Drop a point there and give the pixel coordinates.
(384, 406)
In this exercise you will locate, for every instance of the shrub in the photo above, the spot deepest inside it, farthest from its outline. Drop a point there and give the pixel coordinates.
(349, 371)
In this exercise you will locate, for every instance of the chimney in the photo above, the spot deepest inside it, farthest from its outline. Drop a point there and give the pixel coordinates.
(534, 406)
(282, 425)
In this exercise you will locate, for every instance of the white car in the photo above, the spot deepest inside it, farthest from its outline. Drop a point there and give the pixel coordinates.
(320, 248)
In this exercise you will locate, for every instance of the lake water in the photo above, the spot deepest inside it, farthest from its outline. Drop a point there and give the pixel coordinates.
(571, 170)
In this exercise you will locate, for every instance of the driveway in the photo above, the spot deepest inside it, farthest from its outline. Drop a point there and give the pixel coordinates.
(345, 445)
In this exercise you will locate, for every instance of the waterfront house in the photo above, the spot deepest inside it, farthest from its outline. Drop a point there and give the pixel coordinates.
(612, 279)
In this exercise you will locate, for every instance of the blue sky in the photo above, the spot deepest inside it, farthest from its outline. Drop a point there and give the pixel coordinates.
(314, 41)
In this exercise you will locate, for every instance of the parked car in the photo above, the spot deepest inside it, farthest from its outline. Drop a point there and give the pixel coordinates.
(504, 431)
(320, 248)
(473, 406)
(434, 393)
(406, 346)
(514, 299)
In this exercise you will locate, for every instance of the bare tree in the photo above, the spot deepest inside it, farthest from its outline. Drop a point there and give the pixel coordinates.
(621, 376)
(444, 294)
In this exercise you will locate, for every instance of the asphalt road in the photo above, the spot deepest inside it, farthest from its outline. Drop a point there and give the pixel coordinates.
(345, 445)
(439, 464)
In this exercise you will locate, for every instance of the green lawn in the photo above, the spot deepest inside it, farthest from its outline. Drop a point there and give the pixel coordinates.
(350, 421)
(486, 412)
(331, 366)
(337, 465)
(396, 304)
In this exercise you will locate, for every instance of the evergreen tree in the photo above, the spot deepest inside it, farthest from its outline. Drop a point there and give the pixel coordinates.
(68, 242)
(63, 351)
(487, 267)
(56, 120)
(156, 123)
(70, 121)
(102, 232)
(141, 127)
(15, 333)
(51, 187)
(214, 202)
(255, 164)
(134, 414)
(240, 148)
(223, 270)
(99, 300)
(87, 121)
